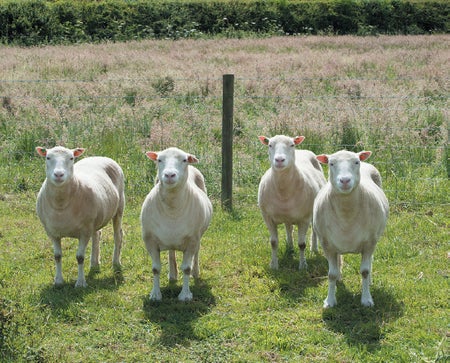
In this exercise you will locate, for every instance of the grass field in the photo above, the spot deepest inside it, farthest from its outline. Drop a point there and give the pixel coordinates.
(385, 94)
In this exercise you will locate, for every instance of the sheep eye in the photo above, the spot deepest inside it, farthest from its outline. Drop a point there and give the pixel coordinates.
(48, 158)
(184, 160)
(71, 158)
(159, 160)
(357, 162)
(331, 164)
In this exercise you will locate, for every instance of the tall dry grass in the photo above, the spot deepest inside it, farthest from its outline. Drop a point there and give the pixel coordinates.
(381, 93)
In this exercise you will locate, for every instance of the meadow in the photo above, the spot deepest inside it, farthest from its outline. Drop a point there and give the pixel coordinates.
(384, 94)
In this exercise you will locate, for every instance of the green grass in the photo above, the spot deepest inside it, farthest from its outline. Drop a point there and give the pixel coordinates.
(242, 311)
(127, 98)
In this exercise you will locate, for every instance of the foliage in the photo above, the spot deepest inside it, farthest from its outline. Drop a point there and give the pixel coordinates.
(33, 22)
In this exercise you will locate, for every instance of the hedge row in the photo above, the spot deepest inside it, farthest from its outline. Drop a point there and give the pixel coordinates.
(32, 22)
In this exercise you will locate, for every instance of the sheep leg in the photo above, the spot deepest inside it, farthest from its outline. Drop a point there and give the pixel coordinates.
(118, 238)
(302, 229)
(333, 275)
(82, 244)
(289, 242)
(366, 272)
(95, 254)
(58, 261)
(186, 267)
(314, 245)
(340, 262)
(155, 294)
(173, 269)
(273, 243)
(196, 266)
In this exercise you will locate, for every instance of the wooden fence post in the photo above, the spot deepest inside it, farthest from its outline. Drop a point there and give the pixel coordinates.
(227, 142)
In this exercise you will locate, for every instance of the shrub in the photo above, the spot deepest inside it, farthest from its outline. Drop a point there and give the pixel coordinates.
(32, 22)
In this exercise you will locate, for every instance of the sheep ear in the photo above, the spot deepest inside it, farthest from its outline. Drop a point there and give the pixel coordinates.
(78, 151)
(41, 151)
(322, 158)
(264, 140)
(192, 159)
(152, 155)
(364, 155)
(298, 140)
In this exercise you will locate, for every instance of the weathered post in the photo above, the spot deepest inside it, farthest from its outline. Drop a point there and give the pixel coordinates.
(227, 141)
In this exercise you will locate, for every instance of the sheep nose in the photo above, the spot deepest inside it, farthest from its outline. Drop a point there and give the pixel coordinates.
(280, 159)
(345, 180)
(58, 173)
(170, 175)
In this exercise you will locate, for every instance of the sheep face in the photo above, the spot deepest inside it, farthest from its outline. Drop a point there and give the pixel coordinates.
(344, 169)
(281, 150)
(59, 163)
(172, 165)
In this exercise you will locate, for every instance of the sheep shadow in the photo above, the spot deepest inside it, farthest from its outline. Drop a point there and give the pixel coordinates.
(175, 318)
(292, 281)
(61, 299)
(362, 325)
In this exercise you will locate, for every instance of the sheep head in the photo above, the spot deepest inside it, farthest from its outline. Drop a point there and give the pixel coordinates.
(344, 169)
(59, 163)
(172, 165)
(281, 150)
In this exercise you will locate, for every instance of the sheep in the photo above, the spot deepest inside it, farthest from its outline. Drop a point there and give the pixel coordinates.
(174, 216)
(76, 200)
(286, 192)
(350, 215)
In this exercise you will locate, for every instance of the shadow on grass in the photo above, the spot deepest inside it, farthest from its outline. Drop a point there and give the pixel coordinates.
(176, 318)
(62, 299)
(294, 282)
(362, 325)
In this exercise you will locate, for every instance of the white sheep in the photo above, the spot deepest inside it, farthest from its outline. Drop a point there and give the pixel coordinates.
(174, 216)
(350, 214)
(287, 191)
(76, 200)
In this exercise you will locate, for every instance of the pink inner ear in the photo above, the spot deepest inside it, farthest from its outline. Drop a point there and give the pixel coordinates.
(192, 159)
(364, 155)
(77, 152)
(264, 140)
(152, 155)
(41, 151)
(322, 158)
(298, 140)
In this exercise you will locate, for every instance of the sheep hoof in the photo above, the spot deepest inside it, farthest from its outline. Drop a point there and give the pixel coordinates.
(81, 283)
(274, 265)
(185, 296)
(329, 303)
(155, 295)
(58, 282)
(367, 303)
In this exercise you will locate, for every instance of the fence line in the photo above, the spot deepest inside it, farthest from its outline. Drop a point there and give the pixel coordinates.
(358, 107)
(259, 79)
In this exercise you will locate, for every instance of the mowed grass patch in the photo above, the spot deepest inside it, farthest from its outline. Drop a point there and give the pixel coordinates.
(242, 310)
